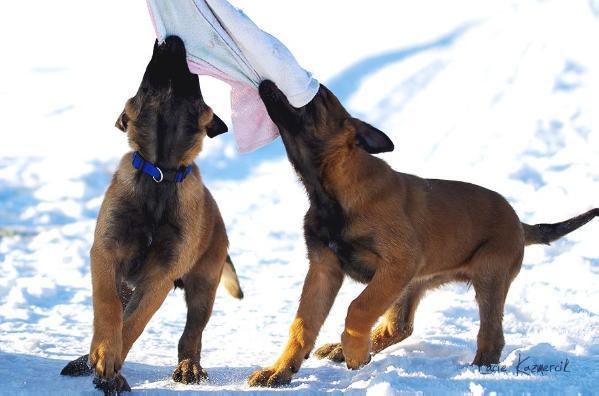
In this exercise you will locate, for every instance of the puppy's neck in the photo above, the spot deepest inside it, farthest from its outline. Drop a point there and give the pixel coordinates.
(137, 181)
(351, 175)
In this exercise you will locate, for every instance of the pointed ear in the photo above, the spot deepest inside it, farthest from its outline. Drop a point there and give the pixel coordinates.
(121, 122)
(216, 127)
(371, 139)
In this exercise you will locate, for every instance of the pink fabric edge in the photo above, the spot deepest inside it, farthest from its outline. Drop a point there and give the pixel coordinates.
(252, 129)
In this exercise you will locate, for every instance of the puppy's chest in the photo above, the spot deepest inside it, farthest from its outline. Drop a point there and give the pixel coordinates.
(144, 239)
(356, 252)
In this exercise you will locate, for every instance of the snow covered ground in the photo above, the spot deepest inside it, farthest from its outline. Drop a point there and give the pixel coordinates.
(499, 93)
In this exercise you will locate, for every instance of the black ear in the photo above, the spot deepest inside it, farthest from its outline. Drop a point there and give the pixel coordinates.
(122, 121)
(216, 127)
(371, 139)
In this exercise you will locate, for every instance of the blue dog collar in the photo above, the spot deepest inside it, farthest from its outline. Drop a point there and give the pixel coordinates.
(158, 174)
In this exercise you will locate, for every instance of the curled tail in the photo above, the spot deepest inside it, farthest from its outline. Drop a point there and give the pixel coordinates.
(230, 280)
(547, 233)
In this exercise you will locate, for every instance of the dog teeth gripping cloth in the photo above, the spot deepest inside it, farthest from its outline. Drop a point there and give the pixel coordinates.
(222, 42)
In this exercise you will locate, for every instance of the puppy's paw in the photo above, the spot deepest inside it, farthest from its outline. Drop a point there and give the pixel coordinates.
(486, 358)
(112, 386)
(78, 367)
(270, 377)
(105, 359)
(332, 352)
(356, 349)
(189, 372)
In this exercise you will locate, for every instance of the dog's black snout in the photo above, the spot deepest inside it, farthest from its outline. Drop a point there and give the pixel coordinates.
(172, 48)
(174, 44)
(168, 69)
(267, 87)
(270, 93)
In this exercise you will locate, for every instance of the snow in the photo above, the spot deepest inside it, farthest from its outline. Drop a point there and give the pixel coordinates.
(501, 94)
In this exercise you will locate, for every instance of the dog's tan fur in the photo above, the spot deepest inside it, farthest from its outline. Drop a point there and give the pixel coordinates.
(201, 260)
(422, 232)
(152, 235)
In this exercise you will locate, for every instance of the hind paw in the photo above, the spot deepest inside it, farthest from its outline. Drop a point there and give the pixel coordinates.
(78, 367)
(332, 352)
(189, 372)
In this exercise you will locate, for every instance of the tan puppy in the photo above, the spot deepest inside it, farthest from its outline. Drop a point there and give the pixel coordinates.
(158, 224)
(399, 233)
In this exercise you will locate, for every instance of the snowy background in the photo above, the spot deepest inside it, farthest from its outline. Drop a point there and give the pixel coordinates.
(499, 93)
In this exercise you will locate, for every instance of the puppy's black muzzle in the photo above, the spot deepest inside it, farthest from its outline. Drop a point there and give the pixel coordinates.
(271, 95)
(283, 114)
(172, 49)
(168, 70)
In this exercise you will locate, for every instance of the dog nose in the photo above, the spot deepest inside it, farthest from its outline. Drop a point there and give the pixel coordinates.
(173, 46)
(168, 68)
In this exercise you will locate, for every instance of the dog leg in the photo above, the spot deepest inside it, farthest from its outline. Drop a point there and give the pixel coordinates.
(397, 325)
(490, 296)
(200, 291)
(140, 306)
(363, 312)
(147, 297)
(398, 321)
(80, 366)
(320, 289)
(105, 351)
(493, 272)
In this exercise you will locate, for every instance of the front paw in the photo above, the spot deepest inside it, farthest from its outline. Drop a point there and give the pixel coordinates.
(356, 349)
(270, 377)
(189, 372)
(332, 352)
(105, 359)
(112, 386)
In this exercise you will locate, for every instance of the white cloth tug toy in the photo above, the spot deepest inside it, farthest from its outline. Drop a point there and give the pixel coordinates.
(222, 42)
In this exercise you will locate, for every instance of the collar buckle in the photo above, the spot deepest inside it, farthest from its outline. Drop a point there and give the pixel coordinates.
(161, 175)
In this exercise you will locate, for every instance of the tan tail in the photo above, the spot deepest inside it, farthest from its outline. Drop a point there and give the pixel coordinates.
(547, 233)
(230, 280)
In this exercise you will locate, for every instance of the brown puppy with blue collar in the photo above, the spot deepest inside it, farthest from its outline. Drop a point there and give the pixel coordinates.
(400, 234)
(158, 224)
